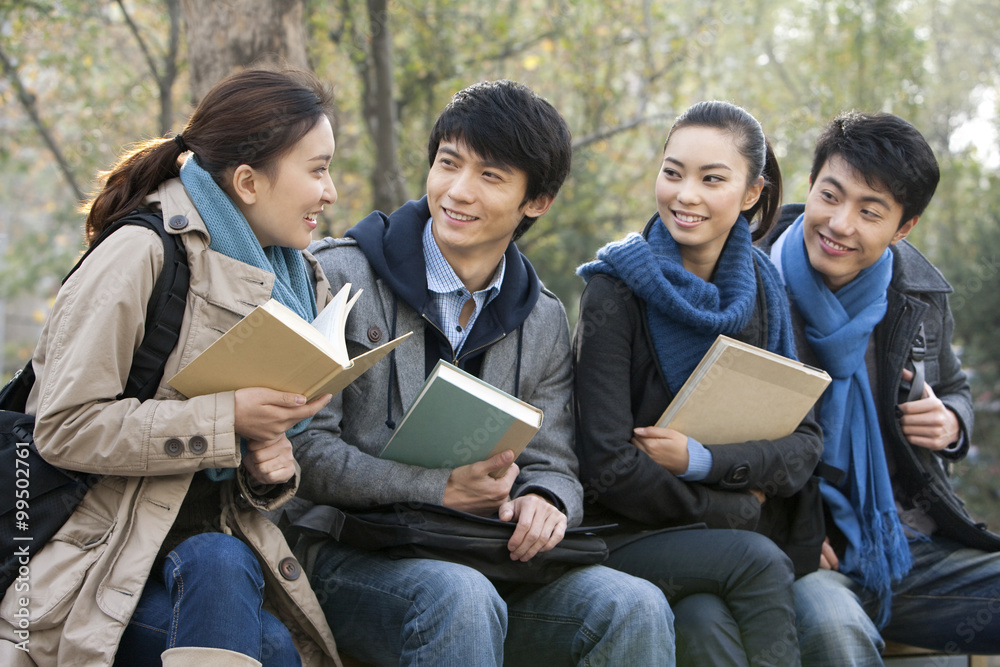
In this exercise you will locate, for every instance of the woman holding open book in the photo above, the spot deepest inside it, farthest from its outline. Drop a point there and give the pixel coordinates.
(654, 304)
(169, 553)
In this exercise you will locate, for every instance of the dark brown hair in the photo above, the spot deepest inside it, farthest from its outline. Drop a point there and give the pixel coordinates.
(252, 117)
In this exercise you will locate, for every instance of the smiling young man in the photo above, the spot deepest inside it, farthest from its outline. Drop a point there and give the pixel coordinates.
(446, 267)
(903, 560)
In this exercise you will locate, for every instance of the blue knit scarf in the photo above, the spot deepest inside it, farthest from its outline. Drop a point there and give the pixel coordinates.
(685, 313)
(232, 236)
(838, 327)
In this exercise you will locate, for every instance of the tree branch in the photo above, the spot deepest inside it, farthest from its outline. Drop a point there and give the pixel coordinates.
(605, 133)
(142, 43)
(28, 102)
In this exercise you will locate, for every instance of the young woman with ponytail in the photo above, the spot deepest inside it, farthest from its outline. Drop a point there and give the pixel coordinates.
(169, 557)
(653, 305)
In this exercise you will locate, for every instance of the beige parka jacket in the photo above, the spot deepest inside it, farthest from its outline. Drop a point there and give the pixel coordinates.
(85, 583)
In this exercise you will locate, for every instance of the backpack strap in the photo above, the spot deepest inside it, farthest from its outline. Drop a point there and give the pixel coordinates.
(164, 316)
(917, 353)
(165, 311)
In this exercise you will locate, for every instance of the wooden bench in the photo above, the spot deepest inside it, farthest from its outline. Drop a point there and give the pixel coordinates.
(898, 655)
(895, 655)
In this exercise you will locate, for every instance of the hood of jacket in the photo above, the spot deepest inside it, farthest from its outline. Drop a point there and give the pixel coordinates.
(393, 246)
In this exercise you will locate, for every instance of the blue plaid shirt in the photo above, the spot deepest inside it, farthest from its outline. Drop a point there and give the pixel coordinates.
(449, 294)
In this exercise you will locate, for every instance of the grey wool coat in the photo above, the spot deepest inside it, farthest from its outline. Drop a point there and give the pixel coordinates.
(338, 453)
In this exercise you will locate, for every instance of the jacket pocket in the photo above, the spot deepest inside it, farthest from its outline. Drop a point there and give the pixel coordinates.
(57, 572)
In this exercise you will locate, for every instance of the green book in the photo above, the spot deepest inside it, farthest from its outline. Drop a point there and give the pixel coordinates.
(457, 419)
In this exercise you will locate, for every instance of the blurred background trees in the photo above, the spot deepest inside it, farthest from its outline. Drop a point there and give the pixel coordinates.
(83, 78)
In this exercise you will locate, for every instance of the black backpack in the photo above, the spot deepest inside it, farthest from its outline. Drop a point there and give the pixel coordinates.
(37, 497)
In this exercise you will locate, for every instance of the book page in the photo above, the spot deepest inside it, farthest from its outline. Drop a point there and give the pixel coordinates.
(332, 320)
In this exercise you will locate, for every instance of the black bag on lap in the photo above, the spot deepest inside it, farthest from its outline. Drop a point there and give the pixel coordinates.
(420, 530)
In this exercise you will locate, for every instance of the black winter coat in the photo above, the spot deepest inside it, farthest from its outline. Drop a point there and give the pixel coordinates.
(917, 293)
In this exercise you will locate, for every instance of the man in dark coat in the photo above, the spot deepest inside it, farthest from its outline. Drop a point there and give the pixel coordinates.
(902, 560)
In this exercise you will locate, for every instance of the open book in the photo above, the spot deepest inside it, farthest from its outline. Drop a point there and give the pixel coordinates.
(458, 419)
(274, 347)
(739, 392)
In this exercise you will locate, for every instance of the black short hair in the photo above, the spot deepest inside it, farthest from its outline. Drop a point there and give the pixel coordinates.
(507, 122)
(887, 151)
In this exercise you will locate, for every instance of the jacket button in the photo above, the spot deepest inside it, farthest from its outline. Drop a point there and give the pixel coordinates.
(739, 474)
(173, 447)
(289, 568)
(374, 334)
(198, 444)
(177, 222)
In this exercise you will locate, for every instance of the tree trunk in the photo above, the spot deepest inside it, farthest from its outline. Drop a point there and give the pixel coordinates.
(387, 177)
(226, 35)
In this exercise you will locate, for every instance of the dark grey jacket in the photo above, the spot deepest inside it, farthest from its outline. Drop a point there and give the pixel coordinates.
(917, 293)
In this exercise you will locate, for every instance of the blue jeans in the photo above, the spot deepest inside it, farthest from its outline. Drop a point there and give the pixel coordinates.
(949, 601)
(730, 590)
(210, 596)
(415, 611)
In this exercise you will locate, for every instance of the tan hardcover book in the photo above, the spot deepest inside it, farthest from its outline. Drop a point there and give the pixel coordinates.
(274, 347)
(739, 392)
(458, 419)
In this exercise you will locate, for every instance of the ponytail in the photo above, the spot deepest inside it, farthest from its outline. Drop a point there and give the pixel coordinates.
(768, 205)
(132, 179)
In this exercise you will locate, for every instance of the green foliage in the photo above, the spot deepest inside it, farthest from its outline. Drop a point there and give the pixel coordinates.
(619, 72)
(976, 478)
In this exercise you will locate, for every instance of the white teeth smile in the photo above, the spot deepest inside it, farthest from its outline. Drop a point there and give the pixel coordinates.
(459, 216)
(833, 244)
(689, 218)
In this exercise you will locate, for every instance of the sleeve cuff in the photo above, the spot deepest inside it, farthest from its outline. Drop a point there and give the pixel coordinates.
(957, 449)
(699, 462)
(544, 493)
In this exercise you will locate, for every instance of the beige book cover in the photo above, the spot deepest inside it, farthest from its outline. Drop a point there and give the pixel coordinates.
(739, 392)
(274, 347)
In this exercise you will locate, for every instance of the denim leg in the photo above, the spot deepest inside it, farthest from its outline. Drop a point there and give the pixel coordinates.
(834, 629)
(950, 600)
(145, 636)
(693, 615)
(211, 596)
(749, 574)
(589, 616)
(410, 611)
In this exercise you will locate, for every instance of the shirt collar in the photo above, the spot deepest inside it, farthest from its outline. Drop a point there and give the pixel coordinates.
(442, 279)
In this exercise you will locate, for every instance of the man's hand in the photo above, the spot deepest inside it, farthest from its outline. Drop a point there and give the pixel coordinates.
(540, 525)
(265, 414)
(927, 422)
(270, 462)
(828, 557)
(471, 488)
(665, 446)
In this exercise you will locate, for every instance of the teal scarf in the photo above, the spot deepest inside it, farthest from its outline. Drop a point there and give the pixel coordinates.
(232, 236)
(838, 326)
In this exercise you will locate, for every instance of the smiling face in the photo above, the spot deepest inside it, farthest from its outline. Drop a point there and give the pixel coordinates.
(476, 204)
(700, 192)
(282, 210)
(848, 224)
